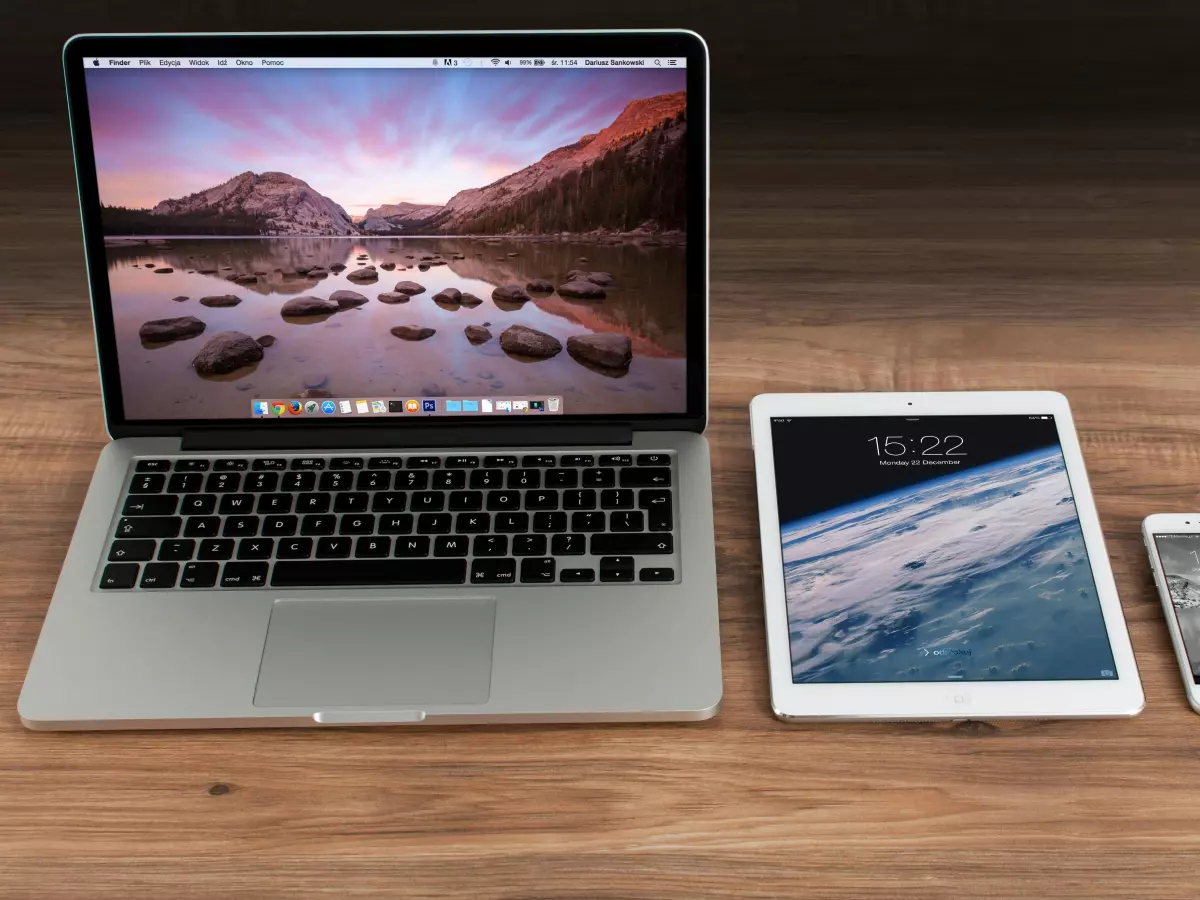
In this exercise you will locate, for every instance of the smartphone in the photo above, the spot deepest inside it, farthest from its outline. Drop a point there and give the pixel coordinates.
(1173, 544)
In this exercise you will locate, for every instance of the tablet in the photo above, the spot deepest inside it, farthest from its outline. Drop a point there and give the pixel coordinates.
(935, 556)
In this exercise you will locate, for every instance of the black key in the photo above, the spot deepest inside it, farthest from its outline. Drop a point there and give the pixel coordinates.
(388, 501)
(261, 481)
(177, 549)
(562, 478)
(434, 523)
(587, 521)
(631, 543)
(154, 465)
(148, 526)
(240, 526)
(274, 503)
(424, 462)
(647, 477)
(428, 501)
(599, 477)
(538, 571)
(579, 499)
(451, 545)
(386, 462)
(266, 465)
(616, 568)
(450, 479)
(472, 523)
(223, 482)
(119, 575)
(568, 544)
(655, 574)
(630, 520)
(185, 483)
(148, 484)
(198, 505)
(150, 505)
(372, 547)
(616, 459)
(549, 522)
(524, 478)
(376, 572)
(512, 522)
(503, 500)
(659, 518)
(318, 524)
(131, 551)
(244, 574)
(466, 500)
(412, 546)
(653, 459)
(577, 576)
(653, 499)
(351, 502)
(296, 548)
(231, 465)
(411, 481)
(401, 524)
(191, 465)
(313, 503)
(357, 524)
(616, 498)
(298, 481)
(308, 462)
(541, 499)
(216, 548)
(346, 462)
(159, 575)
(494, 571)
(373, 480)
(336, 481)
(202, 526)
(462, 462)
(280, 526)
(236, 504)
(199, 575)
(255, 548)
(487, 478)
(568, 460)
(490, 545)
(529, 545)
(541, 462)
(333, 547)
(499, 462)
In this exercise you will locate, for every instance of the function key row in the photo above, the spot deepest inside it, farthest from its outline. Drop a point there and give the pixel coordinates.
(300, 463)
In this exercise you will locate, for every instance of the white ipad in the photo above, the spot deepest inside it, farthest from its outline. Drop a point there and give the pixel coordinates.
(935, 556)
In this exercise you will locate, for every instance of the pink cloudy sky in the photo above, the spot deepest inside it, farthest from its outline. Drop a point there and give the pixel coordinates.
(360, 136)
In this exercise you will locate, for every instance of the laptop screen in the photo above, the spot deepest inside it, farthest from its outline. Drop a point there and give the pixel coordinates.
(341, 238)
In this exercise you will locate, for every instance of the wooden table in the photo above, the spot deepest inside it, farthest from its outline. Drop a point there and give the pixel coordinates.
(876, 257)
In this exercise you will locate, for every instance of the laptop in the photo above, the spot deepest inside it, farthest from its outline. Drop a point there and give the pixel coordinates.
(402, 342)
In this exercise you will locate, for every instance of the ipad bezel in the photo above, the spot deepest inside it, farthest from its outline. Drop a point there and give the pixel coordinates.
(1121, 696)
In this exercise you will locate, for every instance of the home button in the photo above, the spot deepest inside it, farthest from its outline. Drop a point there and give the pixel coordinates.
(960, 699)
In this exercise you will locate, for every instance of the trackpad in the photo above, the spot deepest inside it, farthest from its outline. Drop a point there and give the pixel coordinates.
(377, 653)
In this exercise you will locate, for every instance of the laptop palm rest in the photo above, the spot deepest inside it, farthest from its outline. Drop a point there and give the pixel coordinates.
(324, 654)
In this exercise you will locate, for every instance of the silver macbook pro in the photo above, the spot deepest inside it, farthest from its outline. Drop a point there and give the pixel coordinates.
(403, 347)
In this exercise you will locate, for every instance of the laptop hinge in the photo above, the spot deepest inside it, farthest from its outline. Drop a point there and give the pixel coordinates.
(302, 439)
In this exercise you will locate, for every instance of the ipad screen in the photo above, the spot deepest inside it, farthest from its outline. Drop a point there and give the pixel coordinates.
(939, 548)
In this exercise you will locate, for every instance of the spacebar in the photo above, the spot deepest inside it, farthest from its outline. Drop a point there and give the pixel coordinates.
(357, 572)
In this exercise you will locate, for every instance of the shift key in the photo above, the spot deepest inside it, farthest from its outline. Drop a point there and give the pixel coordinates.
(622, 543)
(149, 526)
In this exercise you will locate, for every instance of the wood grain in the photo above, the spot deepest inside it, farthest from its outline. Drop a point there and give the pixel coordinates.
(879, 256)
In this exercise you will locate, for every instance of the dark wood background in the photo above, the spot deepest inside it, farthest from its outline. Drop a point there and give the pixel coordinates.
(906, 195)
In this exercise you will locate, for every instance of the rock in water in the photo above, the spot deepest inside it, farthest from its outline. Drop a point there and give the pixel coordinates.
(540, 285)
(337, 267)
(609, 351)
(408, 287)
(513, 293)
(225, 352)
(267, 340)
(448, 295)
(245, 279)
(393, 297)
(584, 290)
(158, 330)
(163, 270)
(387, 266)
(413, 332)
(221, 300)
(307, 306)
(469, 300)
(477, 334)
(347, 299)
(314, 394)
(525, 341)
(601, 278)
(179, 299)
(363, 276)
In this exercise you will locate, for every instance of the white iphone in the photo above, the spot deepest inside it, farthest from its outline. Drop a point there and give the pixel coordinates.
(1173, 544)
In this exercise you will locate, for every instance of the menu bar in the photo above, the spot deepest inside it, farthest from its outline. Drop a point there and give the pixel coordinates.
(353, 62)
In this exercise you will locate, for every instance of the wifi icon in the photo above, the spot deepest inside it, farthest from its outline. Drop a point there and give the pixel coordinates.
(495, 62)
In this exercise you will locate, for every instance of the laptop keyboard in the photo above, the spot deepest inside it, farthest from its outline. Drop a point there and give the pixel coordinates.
(396, 520)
